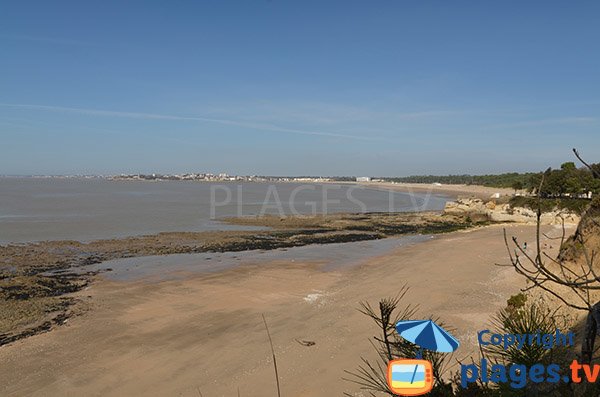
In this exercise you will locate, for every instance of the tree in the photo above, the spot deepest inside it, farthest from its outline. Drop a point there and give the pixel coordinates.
(570, 177)
(517, 185)
(568, 166)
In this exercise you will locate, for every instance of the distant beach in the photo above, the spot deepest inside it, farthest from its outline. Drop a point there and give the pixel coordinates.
(454, 191)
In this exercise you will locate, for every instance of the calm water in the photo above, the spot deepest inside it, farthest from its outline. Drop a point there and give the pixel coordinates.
(330, 257)
(33, 209)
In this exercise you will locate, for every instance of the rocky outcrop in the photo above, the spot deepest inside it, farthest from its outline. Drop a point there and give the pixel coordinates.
(587, 234)
(477, 209)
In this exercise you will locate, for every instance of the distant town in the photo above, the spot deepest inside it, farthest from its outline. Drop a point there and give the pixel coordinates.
(222, 177)
(209, 177)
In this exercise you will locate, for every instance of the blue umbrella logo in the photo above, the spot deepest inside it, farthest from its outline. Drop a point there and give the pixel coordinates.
(408, 377)
(427, 335)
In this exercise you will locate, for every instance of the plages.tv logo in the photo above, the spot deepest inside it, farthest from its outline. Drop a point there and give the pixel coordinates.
(414, 377)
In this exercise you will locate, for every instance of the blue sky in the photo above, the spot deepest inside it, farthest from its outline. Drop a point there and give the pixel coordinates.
(297, 87)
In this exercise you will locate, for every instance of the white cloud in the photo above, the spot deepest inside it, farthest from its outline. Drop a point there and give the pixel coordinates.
(549, 121)
(154, 116)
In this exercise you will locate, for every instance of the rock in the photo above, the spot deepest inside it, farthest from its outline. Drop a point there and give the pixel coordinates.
(465, 206)
(477, 209)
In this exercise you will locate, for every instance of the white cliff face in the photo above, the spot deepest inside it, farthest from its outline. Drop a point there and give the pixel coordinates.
(505, 213)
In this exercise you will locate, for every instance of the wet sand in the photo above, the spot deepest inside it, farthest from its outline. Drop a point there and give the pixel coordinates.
(204, 333)
(177, 266)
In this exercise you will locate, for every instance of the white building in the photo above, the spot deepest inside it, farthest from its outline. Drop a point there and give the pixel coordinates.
(363, 179)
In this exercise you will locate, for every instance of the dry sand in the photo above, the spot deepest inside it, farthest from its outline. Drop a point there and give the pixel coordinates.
(482, 192)
(204, 334)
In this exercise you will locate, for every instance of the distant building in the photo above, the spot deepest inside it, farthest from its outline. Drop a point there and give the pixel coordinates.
(363, 179)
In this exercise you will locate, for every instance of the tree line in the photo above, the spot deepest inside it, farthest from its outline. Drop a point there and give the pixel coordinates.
(566, 181)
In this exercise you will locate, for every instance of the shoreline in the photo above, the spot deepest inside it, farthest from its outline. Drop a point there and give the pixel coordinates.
(37, 279)
(83, 211)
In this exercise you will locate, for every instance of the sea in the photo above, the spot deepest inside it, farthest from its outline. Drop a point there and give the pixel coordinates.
(85, 209)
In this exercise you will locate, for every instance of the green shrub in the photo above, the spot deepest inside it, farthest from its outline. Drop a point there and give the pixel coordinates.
(550, 204)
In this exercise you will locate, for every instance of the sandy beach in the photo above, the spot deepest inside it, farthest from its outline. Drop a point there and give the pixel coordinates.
(454, 191)
(203, 334)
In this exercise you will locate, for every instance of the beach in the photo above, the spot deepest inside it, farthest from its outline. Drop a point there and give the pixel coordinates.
(299, 199)
(455, 191)
(180, 313)
(203, 334)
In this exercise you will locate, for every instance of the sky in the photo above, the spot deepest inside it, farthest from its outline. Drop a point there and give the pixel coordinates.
(274, 87)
